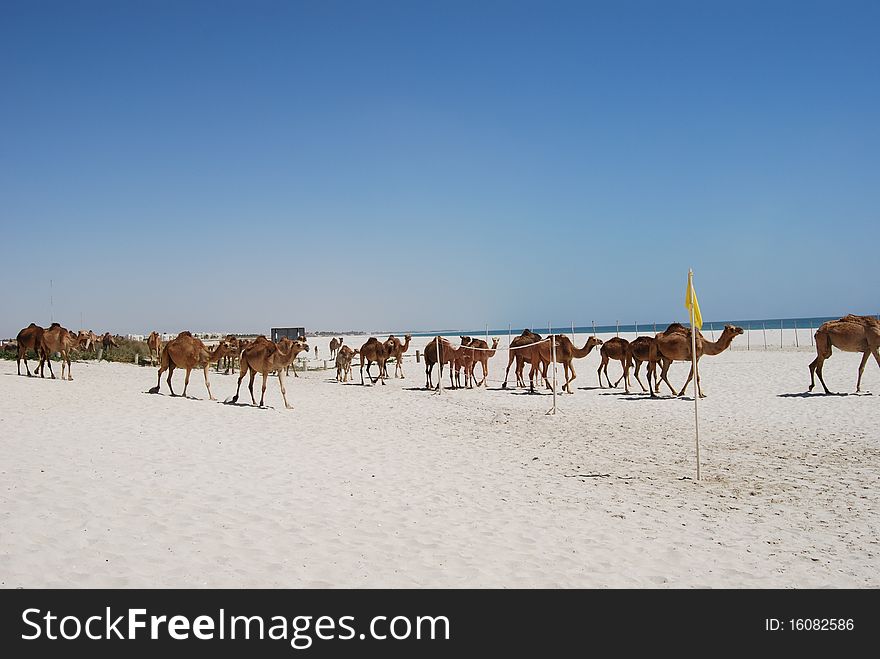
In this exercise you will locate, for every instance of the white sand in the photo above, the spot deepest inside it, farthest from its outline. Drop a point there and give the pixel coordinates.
(104, 485)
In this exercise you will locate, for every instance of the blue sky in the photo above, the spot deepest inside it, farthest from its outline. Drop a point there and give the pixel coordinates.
(241, 165)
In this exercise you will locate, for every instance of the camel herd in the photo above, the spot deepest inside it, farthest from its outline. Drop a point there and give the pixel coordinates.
(261, 356)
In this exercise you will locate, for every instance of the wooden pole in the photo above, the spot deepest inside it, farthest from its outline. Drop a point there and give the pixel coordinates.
(618, 328)
(712, 330)
(694, 362)
(780, 334)
(764, 331)
(594, 328)
(440, 368)
(637, 328)
(553, 359)
(796, 342)
(749, 337)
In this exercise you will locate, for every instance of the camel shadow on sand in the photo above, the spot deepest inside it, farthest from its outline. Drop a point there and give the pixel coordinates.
(809, 394)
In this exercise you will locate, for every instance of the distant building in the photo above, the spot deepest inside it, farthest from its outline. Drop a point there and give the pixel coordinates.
(135, 337)
(291, 333)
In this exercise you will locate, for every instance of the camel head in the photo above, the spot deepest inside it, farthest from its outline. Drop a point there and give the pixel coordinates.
(466, 340)
(494, 343)
(732, 328)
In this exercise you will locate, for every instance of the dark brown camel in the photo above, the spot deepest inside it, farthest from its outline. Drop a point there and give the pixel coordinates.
(28, 339)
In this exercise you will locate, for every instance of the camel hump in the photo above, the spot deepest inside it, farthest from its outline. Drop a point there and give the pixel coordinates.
(185, 333)
(676, 328)
(54, 325)
(860, 320)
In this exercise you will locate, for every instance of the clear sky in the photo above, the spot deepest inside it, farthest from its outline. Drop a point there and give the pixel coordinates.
(240, 165)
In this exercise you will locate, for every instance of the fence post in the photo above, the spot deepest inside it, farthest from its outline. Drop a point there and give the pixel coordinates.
(749, 337)
(594, 328)
(712, 331)
(764, 330)
(780, 334)
(618, 328)
(796, 343)
(637, 328)
(552, 410)
(440, 367)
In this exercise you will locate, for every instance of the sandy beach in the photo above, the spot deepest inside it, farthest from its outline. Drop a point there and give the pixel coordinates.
(104, 485)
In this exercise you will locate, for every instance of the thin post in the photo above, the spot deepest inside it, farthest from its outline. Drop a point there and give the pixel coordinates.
(749, 337)
(618, 328)
(811, 332)
(780, 334)
(572, 332)
(508, 338)
(796, 342)
(553, 359)
(440, 367)
(594, 328)
(696, 376)
(764, 330)
(712, 331)
(637, 328)
(487, 333)
(655, 328)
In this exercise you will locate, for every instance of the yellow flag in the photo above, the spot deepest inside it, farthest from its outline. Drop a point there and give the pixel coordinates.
(690, 299)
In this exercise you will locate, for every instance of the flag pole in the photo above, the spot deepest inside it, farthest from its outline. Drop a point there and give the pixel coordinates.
(694, 363)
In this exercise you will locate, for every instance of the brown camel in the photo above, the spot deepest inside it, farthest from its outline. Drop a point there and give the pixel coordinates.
(618, 350)
(447, 356)
(642, 350)
(526, 338)
(344, 355)
(56, 339)
(541, 356)
(675, 344)
(264, 357)
(396, 349)
(482, 355)
(462, 358)
(108, 341)
(154, 344)
(374, 351)
(28, 339)
(85, 341)
(850, 334)
(187, 352)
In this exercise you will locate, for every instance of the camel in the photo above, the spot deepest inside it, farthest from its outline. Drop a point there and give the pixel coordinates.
(447, 356)
(850, 334)
(541, 356)
(108, 341)
(56, 339)
(396, 349)
(265, 356)
(618, 350)
(639, 351)
(344, 355)
(675, 344)
(482, 354)
(462, 358)
(86, 340)
(154, 343)
(28, 339)
(335, 344)
(374, 351)
(187, 352)
(526, 338)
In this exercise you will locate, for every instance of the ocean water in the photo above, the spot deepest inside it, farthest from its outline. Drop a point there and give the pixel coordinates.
(807, 324)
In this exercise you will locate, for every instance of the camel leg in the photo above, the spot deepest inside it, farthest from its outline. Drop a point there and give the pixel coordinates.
(155, 390)
(208, 384)
(168, 379)
(638, 379)
(510, 360)
(251, 386)
(266, 379)
(533, 371)
(428, 369)
(664, 370)
(238, 388)
(690, 377)
(283, 392)
(568, 380)
(372, 381)
(186, 381)
(383, 373)
(362, 370)
(865, 356)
